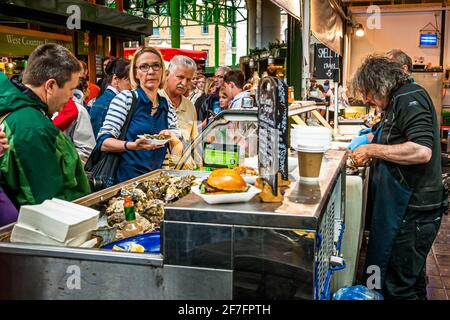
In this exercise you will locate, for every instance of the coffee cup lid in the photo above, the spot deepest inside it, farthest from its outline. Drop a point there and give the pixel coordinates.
(311, 148)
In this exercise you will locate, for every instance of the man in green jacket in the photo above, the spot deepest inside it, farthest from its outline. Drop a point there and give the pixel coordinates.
(41, 162)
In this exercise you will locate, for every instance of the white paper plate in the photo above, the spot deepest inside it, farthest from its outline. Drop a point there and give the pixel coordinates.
(228, 197)
(311, 129)
(154, 141)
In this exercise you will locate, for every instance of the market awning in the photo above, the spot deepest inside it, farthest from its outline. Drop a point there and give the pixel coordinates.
(169, 53)
(327, 25)
(95, 18)
(291, 7)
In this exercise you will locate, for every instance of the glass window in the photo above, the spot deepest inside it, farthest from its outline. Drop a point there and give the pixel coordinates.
(223, 144)
(155, 31)
(205, 28)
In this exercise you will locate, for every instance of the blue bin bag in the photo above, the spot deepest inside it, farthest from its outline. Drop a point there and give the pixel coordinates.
(357, 293)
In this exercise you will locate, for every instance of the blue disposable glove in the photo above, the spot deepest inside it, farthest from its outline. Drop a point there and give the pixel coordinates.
(358, 141)
(364, 131)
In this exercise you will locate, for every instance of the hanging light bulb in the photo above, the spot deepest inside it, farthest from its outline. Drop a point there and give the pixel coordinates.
(359, 30)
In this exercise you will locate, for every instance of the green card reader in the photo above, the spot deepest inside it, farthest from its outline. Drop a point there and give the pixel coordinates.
(217, 155)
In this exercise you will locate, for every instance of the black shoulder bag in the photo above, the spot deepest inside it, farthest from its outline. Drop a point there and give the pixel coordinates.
(101, 167)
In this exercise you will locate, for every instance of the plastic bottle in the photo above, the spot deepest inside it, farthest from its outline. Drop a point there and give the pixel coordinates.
(131, 228)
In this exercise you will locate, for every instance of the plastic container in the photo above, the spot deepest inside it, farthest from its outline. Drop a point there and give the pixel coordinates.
(150, 241)
(310, 136)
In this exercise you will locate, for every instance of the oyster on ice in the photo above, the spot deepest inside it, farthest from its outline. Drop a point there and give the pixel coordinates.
(154, 211)
(115, 205)
(149, 198)
(178, 188)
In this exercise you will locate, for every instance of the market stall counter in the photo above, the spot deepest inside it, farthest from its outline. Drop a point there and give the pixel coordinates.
(274, 250)
(234, 251)
(31, 271)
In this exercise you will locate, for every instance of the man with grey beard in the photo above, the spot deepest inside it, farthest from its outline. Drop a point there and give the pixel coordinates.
(178, 79)
(179, 76)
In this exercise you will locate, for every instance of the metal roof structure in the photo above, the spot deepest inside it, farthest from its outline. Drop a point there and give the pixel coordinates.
(192, 12)
(396, 3)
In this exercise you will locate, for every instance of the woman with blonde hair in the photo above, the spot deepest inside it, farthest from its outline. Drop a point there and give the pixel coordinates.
(151, 114)
(224, 99)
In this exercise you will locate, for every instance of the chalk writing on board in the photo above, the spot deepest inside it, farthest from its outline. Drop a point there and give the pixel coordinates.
(327, 63)
(282, 123)
(272, 132)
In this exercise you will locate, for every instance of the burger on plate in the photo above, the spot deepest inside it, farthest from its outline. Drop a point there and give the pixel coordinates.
(222, 181)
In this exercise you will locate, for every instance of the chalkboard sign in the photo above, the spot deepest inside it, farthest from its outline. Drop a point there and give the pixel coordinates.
(272, 131)
(282, 123)
(327, 63)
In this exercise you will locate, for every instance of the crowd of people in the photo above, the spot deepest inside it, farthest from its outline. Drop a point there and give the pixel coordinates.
(53, 118)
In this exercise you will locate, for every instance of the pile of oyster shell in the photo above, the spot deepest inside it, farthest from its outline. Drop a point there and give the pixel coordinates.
(149, 198)
(351, 168)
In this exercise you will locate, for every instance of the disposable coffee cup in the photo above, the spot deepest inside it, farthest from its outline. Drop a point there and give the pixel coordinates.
(310, 162)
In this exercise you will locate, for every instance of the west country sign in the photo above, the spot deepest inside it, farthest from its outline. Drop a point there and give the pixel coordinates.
(21, 42)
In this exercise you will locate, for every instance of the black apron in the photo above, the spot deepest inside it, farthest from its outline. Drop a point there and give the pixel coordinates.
(389, 200)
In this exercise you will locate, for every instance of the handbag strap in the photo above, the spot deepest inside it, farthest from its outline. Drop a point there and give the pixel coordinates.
(96, 154)
(130, 114)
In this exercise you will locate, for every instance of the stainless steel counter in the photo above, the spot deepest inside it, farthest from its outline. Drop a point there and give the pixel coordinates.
(250, 250)
(31, 271)
(275, 251)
